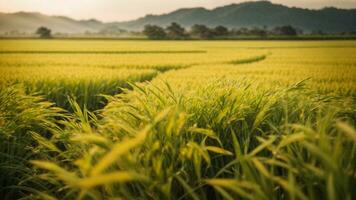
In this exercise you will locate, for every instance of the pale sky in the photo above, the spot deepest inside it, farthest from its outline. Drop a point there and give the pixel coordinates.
(121, 10)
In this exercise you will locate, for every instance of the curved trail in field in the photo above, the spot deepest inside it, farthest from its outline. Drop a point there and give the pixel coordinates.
(248, 60)
(242, 61)
(165, 69)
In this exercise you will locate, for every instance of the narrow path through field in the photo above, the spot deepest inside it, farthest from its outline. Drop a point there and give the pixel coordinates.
(248, 60)
(163, 69)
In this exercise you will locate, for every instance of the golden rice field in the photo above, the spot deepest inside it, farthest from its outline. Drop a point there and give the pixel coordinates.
(111, 119)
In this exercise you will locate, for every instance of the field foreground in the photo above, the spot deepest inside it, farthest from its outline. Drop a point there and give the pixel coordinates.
(177, 120)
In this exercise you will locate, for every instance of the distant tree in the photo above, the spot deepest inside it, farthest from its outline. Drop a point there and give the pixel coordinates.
(154, 32)
(44, 32)
(202, 31)
(221, 31)
(286, 30)
(176, 31)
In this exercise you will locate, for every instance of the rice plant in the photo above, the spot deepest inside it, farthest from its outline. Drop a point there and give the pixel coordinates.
(243, 120)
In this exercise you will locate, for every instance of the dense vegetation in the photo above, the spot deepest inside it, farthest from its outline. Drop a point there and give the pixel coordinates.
(177, 32)
(201, 32)
(217, 120)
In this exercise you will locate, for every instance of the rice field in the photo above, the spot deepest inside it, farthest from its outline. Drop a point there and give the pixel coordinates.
(93, 119)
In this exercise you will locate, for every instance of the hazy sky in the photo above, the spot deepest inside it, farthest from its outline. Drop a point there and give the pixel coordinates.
(120, 10)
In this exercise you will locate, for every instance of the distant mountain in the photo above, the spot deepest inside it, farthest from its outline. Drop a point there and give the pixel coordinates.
(29, 22)
(248, 14)
(251, 14)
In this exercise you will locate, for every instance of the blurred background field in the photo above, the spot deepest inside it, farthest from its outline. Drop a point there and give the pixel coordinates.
(330, 66)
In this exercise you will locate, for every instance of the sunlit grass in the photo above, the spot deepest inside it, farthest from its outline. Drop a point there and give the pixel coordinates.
(245, 120)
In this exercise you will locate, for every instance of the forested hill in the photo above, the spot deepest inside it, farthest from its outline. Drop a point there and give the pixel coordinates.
(251, 14)
(248, 14)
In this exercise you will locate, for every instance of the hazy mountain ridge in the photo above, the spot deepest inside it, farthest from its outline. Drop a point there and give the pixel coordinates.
(30, 21)
(248, 14)
(259, 14)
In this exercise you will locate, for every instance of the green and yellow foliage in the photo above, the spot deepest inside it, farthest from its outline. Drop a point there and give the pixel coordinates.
(177, 120)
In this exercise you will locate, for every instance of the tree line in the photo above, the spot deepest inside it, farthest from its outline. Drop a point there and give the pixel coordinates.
(175, 32)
